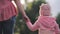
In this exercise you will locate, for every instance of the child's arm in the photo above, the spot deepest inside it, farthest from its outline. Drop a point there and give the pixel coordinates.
(30, 26)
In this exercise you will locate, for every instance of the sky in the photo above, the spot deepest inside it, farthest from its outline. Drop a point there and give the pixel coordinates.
(23, 1)
(55, 6)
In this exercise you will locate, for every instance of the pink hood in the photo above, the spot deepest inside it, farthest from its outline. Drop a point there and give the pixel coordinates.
(47, 24)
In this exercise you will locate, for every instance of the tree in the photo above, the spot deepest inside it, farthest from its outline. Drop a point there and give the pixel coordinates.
(58, 19)
(32, 11)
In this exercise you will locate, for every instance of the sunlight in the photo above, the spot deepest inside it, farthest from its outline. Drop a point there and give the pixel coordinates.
(30, 0)
(23, 1)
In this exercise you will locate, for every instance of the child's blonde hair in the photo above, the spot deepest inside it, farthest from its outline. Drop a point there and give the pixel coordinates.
(42, 6)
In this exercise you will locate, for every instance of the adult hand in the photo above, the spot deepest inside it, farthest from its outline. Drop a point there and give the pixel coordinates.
(26, 18)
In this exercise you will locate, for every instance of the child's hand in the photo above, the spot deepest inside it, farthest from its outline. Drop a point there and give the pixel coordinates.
(26, 18)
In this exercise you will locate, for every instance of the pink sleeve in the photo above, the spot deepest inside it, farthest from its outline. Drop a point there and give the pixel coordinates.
(57, 28)
(34, 26)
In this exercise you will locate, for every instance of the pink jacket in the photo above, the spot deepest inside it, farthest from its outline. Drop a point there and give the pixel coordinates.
(44, 23)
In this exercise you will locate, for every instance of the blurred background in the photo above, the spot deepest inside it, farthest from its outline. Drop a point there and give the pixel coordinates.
(31, 8)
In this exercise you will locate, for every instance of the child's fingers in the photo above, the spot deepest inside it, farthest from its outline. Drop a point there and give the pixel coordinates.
(26, 18)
